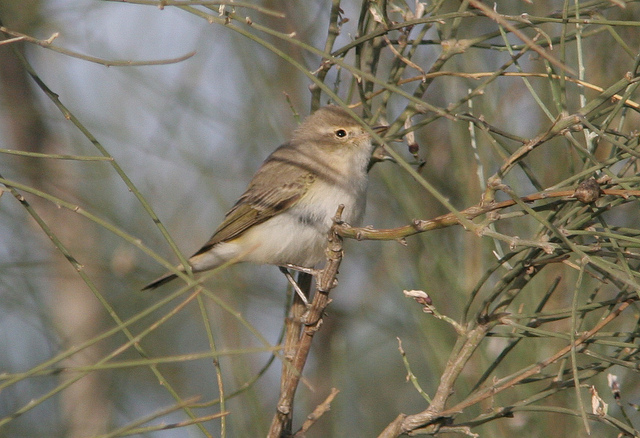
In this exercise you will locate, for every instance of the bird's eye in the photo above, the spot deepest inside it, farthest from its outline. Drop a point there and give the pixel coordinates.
(340, 133)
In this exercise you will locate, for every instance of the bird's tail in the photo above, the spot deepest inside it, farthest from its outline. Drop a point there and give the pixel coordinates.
(166, 278)
(199, 262)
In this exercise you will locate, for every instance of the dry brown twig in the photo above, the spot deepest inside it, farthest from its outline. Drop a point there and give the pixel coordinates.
(449, 219)
(316, 414)
(48, 44)
(479, 75)
(306, 327)
(435, 413)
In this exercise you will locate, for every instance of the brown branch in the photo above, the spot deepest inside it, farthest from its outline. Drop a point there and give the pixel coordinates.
(47, 44)
(317, 413)
(406, 423)
(293, 330)
(498, 18)
(518, 74)
(161, 4)
(310, 323)
(404, 58)
(449, 219)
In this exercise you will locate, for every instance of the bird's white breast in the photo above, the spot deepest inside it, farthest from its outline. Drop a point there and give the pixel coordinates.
(299, 235)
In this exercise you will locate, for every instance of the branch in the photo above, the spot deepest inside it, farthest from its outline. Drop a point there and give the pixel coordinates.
(317, 413)
(518, 74)
(498, 18)
(161, 4)
(47, 44)
(312, 320)
(449, 219)
(406, 423)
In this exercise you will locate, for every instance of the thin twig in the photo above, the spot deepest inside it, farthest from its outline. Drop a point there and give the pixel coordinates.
(450, 219)
(318, 412)
(161, 4)
(47, 44)
(479, 75)
(490, 13)
(406, 423)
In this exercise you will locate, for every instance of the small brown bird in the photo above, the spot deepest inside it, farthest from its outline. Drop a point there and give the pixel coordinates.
(286, 212)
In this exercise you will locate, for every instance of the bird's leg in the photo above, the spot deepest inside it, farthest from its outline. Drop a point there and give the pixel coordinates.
(294, 284)
(311, 271)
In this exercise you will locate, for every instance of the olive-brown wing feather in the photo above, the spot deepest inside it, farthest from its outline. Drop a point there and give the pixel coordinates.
(257, 205)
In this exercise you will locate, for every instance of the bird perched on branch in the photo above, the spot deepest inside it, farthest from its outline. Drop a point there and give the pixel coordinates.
(286, 212)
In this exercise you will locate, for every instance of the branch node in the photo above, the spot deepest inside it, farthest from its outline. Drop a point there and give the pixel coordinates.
(588, 191)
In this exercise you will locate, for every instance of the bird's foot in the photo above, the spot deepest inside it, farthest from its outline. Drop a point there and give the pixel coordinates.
(294, 283)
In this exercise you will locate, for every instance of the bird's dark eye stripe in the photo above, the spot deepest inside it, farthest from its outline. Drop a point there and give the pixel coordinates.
(341, 133)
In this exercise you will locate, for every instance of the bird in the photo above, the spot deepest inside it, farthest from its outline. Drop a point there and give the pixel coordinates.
(284, 216)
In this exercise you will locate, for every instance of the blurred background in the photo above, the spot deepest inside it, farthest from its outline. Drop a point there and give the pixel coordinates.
(189, 135)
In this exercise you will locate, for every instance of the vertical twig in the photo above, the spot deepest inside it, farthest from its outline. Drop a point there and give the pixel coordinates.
(332, 34)
(293, 330)
(308, 324)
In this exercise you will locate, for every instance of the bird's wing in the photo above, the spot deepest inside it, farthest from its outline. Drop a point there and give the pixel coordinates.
(261, 202)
